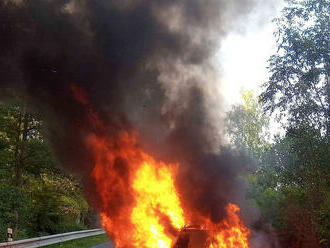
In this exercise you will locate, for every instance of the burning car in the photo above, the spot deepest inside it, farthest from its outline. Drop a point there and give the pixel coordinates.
(192, 237)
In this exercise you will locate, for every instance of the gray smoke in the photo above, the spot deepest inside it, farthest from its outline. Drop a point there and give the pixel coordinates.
(145, 65)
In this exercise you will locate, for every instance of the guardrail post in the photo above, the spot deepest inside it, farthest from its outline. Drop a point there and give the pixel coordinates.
(10, 234)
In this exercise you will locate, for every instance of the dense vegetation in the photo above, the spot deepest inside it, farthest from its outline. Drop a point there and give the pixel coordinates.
(291, 185)
(37, 197)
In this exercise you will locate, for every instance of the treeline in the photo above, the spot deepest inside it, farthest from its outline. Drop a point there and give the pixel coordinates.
(36, 196)
(291, 185)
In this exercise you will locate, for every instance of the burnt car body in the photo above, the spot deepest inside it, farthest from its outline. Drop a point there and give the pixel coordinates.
(192, 237)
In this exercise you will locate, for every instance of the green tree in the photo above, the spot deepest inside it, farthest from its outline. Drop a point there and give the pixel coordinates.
(17, 129)
(299, 163)
(298, 93)
(247, 125)
(248, 128)
(36, 196)
(298, 86)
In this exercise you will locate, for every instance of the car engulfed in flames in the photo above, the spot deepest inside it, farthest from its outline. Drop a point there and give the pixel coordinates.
(142, 208)
(192, 237)
(139, 201)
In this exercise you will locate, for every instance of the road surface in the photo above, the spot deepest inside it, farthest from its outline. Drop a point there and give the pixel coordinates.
(104, 245)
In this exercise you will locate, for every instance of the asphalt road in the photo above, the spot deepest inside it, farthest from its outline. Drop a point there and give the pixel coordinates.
(104, 245)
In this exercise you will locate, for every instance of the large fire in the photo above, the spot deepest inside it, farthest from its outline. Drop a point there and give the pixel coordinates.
(140, 204)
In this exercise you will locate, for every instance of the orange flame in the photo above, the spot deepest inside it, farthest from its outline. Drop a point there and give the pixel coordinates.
(155, 196)
(231, 232)
(140, 205)
(149, 206)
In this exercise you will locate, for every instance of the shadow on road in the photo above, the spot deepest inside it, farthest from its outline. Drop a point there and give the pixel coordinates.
(104, 245)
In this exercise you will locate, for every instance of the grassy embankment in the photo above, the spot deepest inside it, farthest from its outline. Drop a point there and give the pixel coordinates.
(81, 243)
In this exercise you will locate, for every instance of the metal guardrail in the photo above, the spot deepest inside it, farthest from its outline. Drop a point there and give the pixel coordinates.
(51, 239)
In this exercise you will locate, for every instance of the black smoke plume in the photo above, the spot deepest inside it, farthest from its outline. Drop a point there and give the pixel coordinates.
(143, 64)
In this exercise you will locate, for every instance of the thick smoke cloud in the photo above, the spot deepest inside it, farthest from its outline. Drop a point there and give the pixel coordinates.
(144, 64)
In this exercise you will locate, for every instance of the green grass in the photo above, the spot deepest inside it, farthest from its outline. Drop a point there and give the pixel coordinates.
(81, 243)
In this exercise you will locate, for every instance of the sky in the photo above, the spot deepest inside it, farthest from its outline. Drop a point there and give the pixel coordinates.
(244, 53)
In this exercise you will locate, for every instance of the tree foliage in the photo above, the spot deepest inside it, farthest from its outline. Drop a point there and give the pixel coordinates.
(298, 86)
(36, 196)
(295, 175)
(291, 186)
(247, 126)
(299, 162)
